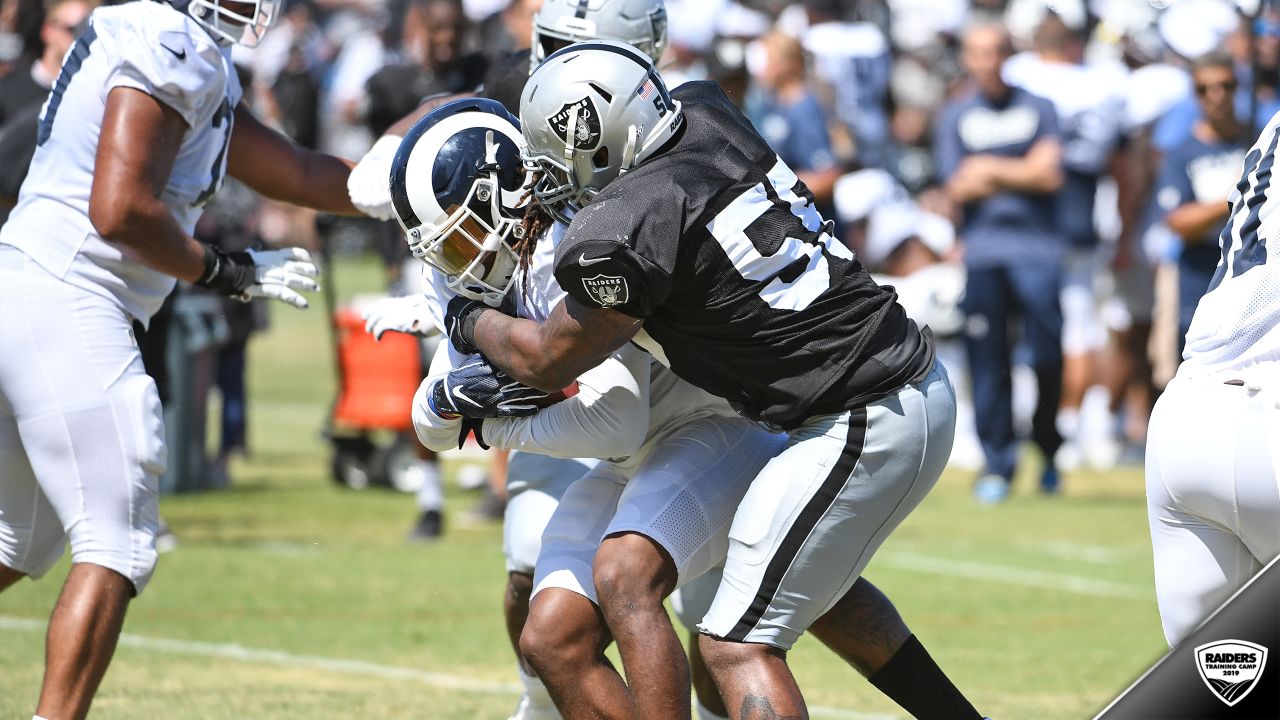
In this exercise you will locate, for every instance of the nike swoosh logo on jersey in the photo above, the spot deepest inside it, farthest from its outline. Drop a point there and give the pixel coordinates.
(583, 261)
(180, 55)
(457, 392)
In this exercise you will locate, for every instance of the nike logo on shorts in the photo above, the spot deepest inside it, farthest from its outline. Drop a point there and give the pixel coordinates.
(180, 55)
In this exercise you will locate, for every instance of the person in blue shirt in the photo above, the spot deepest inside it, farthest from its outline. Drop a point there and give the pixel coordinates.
(1000, 158)
(790, 118)
(1196, 178)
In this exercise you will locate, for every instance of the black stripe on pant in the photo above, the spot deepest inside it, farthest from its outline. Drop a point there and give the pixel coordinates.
(814, 510)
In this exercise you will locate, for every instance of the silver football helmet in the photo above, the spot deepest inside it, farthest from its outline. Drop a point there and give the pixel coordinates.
(457, 185)
(591, 112)
(559, 23)
(232, 22)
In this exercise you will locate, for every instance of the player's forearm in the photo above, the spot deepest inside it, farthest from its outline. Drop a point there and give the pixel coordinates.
(276, 167)
(1196, 220)
(147, 234)
(519, 348)
(608, 418)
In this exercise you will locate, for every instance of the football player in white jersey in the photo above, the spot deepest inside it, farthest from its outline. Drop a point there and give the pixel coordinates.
(681, 458)
(141, 125)
(1213, 447)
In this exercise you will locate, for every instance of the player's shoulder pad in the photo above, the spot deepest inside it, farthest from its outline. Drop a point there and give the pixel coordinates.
(598, 264)
(166, 54)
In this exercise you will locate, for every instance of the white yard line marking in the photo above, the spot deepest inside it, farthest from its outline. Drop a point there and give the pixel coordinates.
(1079, 551)
(1012, 575)
(231, 651)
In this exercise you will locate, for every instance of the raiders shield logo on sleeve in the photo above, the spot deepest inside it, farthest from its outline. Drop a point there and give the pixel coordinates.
(586, 130)
(607, 290)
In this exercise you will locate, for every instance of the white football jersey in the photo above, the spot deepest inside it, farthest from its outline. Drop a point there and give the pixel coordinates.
(1237, 323)
(147, 46)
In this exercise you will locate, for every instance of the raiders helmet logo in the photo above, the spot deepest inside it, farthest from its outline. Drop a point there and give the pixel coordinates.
(1231, 668)
(586, 131)
(607, 290)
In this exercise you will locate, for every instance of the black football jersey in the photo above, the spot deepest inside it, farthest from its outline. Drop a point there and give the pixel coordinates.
(716, 244)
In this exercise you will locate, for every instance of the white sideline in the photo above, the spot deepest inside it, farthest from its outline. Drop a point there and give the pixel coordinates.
(231, 651)
(1012, 575)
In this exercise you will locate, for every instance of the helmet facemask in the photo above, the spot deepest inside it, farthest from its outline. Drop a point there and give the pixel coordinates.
(471, 245)
(231, 22)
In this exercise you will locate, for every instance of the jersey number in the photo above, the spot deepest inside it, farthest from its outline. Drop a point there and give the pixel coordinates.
(796, 269)
(1253, 249)
(224, 115)
(71, 66)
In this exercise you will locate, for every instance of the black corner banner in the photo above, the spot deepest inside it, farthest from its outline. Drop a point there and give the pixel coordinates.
(1228, 668)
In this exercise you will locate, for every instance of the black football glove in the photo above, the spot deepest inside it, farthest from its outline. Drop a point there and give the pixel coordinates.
(478, 390)
(460, 323)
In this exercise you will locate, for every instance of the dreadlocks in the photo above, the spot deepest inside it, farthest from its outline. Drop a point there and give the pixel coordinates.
(535, 223)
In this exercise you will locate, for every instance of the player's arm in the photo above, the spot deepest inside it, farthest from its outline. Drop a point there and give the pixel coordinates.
(550, 355)
(137, 146)
(280, 169)
(608, 418)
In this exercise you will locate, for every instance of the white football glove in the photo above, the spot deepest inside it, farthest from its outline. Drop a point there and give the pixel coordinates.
(279, 274)
(369, 184)
(410, 314)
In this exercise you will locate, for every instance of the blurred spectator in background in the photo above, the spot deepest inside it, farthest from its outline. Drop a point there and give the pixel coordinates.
(787, 113)
(851, 61)
(999, 153)
(1193, 29)
(429, 61)
(913, 250)
(507, 30)
(22, 93)
(1089, 101)
(1196, 179)
(20, 29)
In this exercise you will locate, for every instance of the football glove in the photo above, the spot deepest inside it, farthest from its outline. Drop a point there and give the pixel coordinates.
(476, 390)
(460, 323)
(408, 315)
(369, 184)
(277, 274)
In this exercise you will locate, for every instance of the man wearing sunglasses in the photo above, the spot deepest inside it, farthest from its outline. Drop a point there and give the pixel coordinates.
(1196, 178)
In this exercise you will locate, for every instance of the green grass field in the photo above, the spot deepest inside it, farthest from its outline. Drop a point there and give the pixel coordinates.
(291, 598)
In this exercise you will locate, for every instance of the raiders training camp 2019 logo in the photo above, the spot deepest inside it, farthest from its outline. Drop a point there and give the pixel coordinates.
(586, 131)
(607, 290)
(1231, 668)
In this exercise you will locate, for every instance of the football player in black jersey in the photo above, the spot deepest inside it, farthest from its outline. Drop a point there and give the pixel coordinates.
(690, 238)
